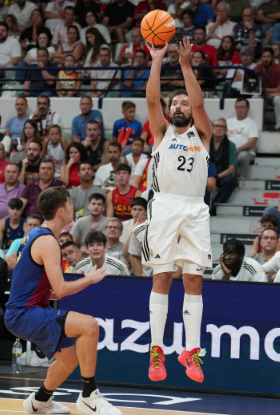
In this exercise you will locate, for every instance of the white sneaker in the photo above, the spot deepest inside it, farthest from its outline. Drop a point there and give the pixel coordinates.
(96, 404)
(49, 407)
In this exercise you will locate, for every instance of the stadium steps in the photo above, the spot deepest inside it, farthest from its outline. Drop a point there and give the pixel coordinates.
(268, 161)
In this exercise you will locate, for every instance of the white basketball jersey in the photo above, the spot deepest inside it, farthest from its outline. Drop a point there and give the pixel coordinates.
(181, 164)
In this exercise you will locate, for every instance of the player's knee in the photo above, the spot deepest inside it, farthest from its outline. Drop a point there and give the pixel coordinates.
(92, 327)
(162, 282)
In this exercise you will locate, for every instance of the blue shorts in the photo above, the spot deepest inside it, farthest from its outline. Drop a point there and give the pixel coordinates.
(38, 325)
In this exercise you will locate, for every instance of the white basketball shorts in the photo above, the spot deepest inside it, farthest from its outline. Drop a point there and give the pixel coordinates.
(178, 231)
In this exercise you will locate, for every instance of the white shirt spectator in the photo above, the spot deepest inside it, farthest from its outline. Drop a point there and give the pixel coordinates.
(105, 74)
(132, 164)
(113, 265)
(101, 28)
(52, 118)
(9, 49)
(23, 16)
(105, 177)
(232, 72)
(239, 132)
(250, 271)
(273, 267)
(225, 29)
(51, 7)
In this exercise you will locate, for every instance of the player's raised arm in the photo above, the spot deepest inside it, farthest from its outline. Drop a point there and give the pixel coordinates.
(201, 119)
(158, 124)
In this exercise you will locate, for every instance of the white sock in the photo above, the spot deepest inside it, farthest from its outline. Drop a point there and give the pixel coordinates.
(192, 316)
(158, 316)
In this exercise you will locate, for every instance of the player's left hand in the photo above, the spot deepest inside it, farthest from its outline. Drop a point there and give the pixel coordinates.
(184, 51)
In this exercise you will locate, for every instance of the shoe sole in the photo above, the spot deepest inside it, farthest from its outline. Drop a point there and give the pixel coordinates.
(183, 363)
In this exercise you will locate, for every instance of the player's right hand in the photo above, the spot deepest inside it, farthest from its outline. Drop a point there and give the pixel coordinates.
(96, 275)
(156, 52)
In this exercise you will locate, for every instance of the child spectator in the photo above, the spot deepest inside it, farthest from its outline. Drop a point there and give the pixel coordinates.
(267, 222)
(55, 147)
(75, 153)
(128, 110)
(64, 237)
(69, 80)
(136, 155)
(11, 228)
(226, 55)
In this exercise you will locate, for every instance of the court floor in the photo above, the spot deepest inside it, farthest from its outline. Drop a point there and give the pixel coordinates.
(134, 401)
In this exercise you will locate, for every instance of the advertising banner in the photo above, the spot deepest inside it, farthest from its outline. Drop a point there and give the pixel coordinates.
(240, 332)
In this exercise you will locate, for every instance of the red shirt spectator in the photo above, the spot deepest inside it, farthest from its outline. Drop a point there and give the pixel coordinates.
(272, 78)
(200, 44)
(3, 163)
(145, 7)
(235, 59)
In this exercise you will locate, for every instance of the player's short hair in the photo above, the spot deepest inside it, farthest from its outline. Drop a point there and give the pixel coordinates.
(270, 229)
(115, 220)
(97, 196)
(115, 144)
(69, 243)
(54, 126)
(84, 162)
(66, 234)
(139, 201)
(175, 93)
(35, 216)
(269, 218)
(240, 99)
(235, 245)
(128, 104)
(15, 203)
(140, 140)
(95, 236)
(123, 167)
(50, 200)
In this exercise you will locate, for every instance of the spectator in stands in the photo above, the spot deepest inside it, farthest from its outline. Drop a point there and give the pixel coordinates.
(22, 11)
(226, 55)
(105, 175)
(92, 23)
(267, 222)
(136, 78)
(60, 33)
(247, 55)
(204, 76)
(75, 154)
(54, 13)
(10, 50)
(19, 147)
(12, 188)
(30, 222)
(71, 255)
(83, 7)
(80, 195)
(34, 189)
(127, 122)
(94, 41)
(118, 201)
(236, 8)
(247, 32)
(268, 243)
(171, 73)
(95, 220)
(69, 80)
(96, 146)
(224, 156)
(72, 46)
(271, 82)
(143, 7)
(200, 44)
(203, 12)
(96, 249)
(13, 29)
(268, 13)
(11, 228)
(138, 210)
(3, 10)
(14, 125)
(243, 132)
(3, 163)
(55, 147)
(186, 27)
(118, 18)
(46, 84)
(272, 267)
(64, 237)
(235, 266)
(133, 158)
(144, 175)
(276, 52)
(128, 51)
(79, 123)
(29, 167)
(113, 232)
(97, 84)
(30, 35)
(146, 134)
(44, 116)
(222, 26)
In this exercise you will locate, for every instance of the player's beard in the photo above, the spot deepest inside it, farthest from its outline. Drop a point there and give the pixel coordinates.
(182, 121)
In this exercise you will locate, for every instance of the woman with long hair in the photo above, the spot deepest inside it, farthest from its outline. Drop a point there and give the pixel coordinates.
(30, 133)
(74, 46)
(226, 55)
(204, 76)
(94, 40)
(12, 23)
(75, 154)
(29, 36)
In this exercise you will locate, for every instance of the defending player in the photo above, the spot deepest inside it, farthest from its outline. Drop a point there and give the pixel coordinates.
(178, 218)
(29, 316)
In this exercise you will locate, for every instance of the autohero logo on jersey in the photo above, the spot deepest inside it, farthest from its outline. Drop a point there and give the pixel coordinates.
(184, 148)
(133, 341)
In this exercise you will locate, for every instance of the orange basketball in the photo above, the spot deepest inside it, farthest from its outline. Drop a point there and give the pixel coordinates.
(158, 27)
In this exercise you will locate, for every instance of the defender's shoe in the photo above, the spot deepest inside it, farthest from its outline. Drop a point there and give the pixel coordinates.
(192, 361)
(96, 404)
(49, 407)
(157, 370)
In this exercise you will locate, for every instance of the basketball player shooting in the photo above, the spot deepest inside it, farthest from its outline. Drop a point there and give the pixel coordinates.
(178, 218)
(68, 336)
